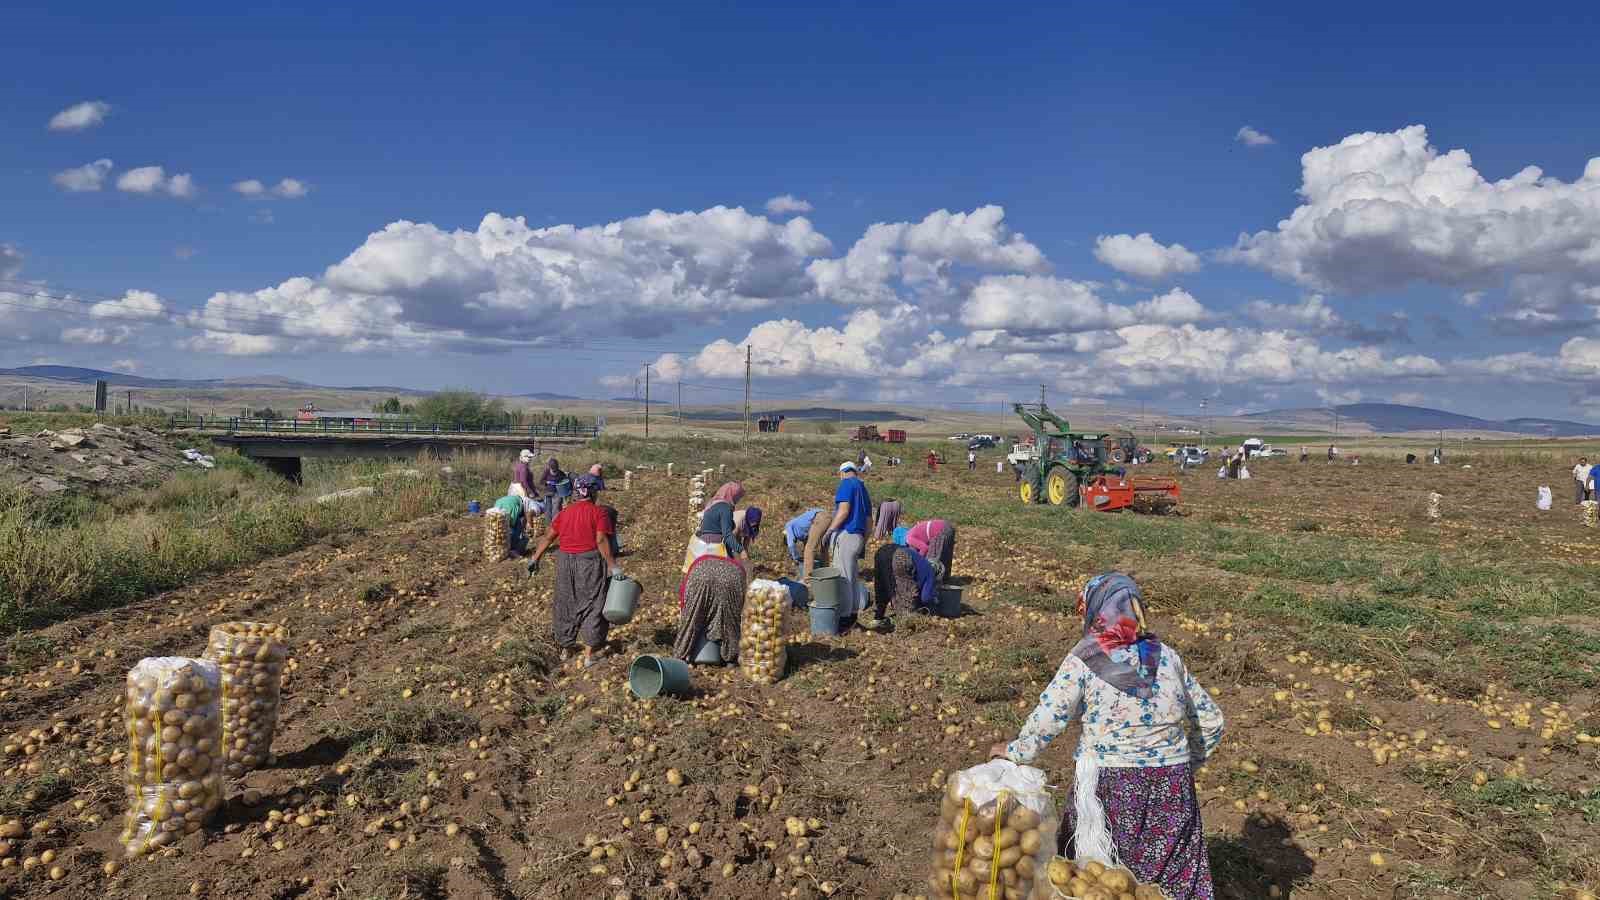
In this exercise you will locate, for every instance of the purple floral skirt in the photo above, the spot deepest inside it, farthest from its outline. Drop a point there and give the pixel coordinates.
(1154, 819)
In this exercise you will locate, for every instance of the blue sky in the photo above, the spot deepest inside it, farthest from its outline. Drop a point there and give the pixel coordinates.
(1080, 122)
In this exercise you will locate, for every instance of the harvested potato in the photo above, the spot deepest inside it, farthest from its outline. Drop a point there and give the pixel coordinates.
(496, 535)
(174, 775)
(763, 650)
(250, 657)
(982, 832)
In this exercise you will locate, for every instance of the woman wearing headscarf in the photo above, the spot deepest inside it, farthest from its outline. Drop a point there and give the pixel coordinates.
(1146, 725)
(888, 519)
(717, 533)
(711, 602)
(522, 486)
(512, 507)
(599, 473)
(902, 581)
(550, 479)
(935, 539)
(582, 567)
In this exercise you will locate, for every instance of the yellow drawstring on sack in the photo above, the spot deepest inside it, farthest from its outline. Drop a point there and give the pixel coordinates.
(994, 861)
(961, 845)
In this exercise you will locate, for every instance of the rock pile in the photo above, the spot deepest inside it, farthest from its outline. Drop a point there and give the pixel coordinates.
(99, 457)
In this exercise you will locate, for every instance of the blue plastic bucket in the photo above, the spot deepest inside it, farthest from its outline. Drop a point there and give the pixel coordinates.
(653, 676)
(474, 507)
(564, 488)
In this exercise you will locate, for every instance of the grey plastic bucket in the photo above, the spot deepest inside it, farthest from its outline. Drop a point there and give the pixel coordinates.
(827, 587)
(621, 599)
(653, 676)
(708, 653)
(824, 620)
(950, 601)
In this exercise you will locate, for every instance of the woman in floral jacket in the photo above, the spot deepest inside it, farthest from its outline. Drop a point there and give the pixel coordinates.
(1146, 724)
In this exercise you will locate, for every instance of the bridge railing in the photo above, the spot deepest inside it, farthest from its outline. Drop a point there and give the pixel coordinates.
(236, 424)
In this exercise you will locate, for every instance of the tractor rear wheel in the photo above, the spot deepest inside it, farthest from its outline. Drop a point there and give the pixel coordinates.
(1117, 456)
(1061, 487)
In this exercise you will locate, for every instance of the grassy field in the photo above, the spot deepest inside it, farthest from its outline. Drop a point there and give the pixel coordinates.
(1412, 702)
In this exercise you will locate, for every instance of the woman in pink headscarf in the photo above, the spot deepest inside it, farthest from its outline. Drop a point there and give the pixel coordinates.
(718, 533)
(935, 539)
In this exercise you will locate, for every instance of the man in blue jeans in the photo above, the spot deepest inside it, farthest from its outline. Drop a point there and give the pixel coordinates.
(852, 519)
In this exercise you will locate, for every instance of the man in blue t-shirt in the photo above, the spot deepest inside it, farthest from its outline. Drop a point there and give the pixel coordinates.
(852, 519)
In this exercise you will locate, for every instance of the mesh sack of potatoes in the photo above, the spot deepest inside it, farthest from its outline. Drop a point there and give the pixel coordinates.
(174, 777)
(763, 650)
(250, 658)
(996, 835)
(1092, 880)
(496, 535)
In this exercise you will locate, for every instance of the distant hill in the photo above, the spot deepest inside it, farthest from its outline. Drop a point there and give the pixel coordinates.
(810, 412)
(1391, 418)
(548, 396)
(77, 375)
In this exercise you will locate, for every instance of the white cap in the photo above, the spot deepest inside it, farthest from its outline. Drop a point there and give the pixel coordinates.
(847, 467)
(526, 456)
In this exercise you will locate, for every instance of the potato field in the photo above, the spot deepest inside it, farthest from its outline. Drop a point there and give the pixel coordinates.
(1411, 701)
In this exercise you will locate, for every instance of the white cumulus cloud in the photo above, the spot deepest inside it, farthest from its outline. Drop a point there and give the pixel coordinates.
(80, 116)
(1251, 137)
(787, 204)
(922, 257)
(88, 177)
(645, 275)
(291, 188)
(1382, 209)
(154, 180)
(250, 187)
(1145, 258)
(134, 304)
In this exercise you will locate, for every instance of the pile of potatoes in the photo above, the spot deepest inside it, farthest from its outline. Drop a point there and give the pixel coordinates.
(763, 650)
(1096, 881)
(496, 536)
(250, 657)
(993, 851)
(174, 777)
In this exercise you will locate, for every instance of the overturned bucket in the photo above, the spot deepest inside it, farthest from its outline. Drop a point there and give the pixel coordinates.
(621, 599)
(653, 676)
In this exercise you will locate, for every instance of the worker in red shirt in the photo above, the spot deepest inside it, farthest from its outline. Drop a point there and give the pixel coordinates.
(583, 569)
(933, 461)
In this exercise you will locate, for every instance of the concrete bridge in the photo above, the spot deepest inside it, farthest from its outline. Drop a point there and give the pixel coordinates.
(282, 445)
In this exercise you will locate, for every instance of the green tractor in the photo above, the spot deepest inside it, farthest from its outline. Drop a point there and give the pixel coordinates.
(1064, 468)
(1060, 461)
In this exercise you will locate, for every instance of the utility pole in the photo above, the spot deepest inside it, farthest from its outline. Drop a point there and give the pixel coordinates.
(646, 399)
(680, 407)
(1041, 398)
(747, 392)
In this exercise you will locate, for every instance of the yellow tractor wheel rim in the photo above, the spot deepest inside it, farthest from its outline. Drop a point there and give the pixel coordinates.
(1027, 492)
(1056, 488)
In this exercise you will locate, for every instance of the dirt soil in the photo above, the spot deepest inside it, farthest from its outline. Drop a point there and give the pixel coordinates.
(429, 745)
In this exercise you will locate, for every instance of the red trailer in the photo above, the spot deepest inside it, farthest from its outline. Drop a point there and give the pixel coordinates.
(896, 436)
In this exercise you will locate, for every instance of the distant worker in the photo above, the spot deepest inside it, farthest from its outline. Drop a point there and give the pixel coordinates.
(599, 473)
(865, 465)
(888, 519)
(1580, 475)
(1303, 454)
(1332, 452)
(522, 485)
(972, 460)
(852, 517)
(551, 481)
(933, 461)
